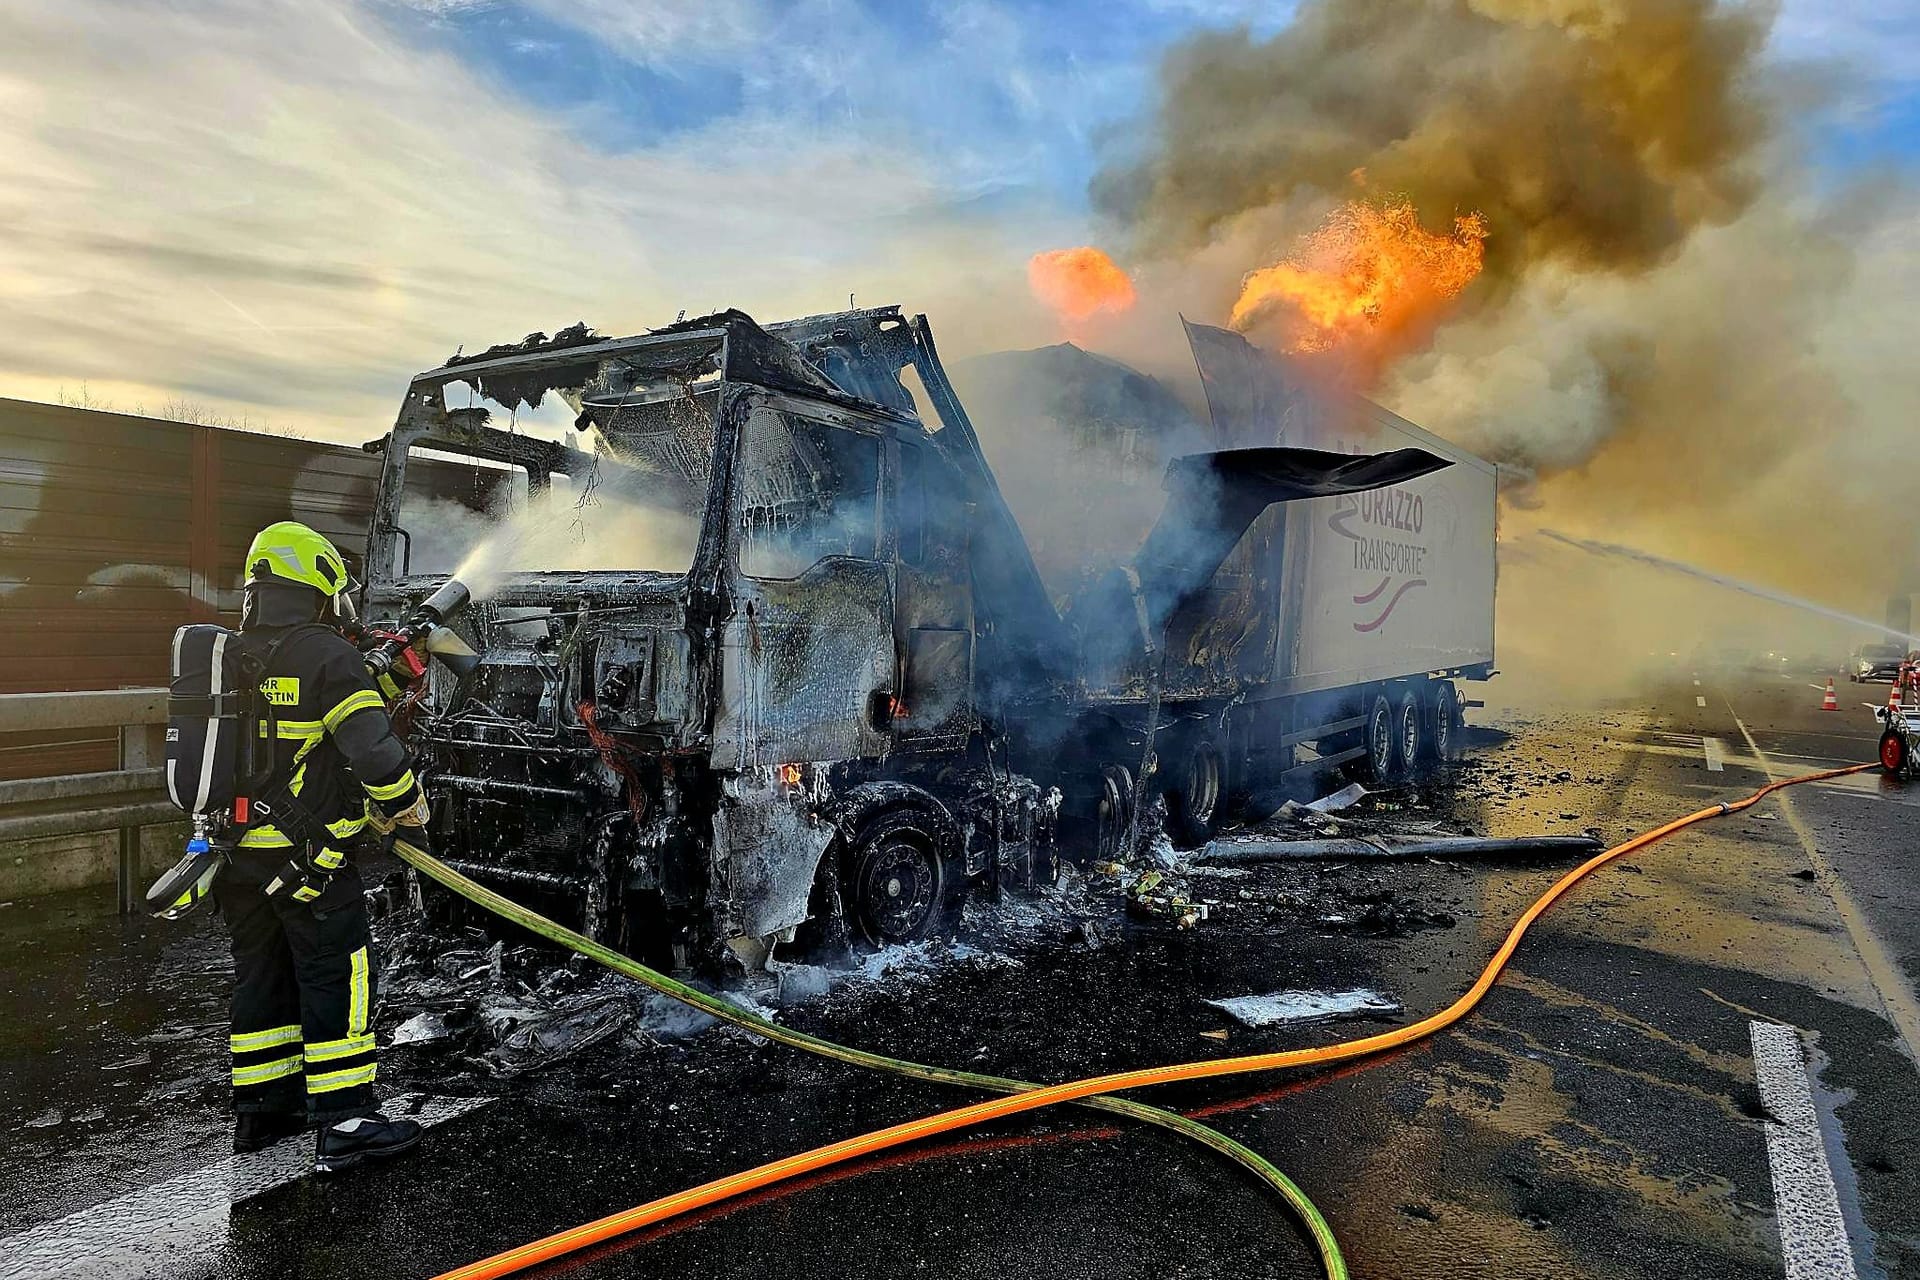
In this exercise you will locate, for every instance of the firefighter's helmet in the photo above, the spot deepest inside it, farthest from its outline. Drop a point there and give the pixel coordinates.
(291, 552)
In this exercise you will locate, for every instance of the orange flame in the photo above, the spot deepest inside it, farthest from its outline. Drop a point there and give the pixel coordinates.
(1078, 283)
(1367, 278)
(790, 774)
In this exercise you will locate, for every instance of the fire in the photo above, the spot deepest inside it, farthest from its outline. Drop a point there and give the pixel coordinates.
(1079, 283)
(789, 775)
(1369, 275)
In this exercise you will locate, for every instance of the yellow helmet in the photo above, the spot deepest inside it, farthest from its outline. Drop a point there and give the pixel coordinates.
(291, 552)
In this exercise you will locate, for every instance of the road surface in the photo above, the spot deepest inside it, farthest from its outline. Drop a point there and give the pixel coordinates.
(1701, 1065)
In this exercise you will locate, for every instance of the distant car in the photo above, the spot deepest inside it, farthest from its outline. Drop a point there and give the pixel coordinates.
(1876, 662)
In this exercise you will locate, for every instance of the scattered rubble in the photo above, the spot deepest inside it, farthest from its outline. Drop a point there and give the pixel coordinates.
(1254, 849)
(1293, 1007)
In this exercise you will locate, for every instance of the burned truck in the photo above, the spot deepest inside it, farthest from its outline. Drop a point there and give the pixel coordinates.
(809, 686)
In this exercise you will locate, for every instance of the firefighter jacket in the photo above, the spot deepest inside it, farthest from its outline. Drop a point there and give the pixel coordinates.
(334, 748)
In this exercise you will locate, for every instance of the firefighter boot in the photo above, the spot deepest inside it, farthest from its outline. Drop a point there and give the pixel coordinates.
(349, 1144)
(258, 1130)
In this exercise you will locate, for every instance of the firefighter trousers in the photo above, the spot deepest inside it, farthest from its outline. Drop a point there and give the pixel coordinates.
(304, 985)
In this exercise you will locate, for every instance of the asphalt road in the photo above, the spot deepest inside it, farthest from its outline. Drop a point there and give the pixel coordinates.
(1600, 1115)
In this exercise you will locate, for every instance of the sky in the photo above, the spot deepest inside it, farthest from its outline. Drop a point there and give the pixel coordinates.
(277, 210)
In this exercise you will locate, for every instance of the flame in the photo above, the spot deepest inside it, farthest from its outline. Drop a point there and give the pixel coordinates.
(1369, 276)
(790, 774)
(1079, 283)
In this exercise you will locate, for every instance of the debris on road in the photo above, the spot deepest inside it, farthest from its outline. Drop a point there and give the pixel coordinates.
(421, 1028)
(1153, 894)
(1283, 1007)
(1256, 849)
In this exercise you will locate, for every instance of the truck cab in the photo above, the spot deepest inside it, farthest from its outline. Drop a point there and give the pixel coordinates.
(757, 701)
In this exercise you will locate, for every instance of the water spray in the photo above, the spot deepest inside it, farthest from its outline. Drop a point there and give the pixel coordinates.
(1615, 551)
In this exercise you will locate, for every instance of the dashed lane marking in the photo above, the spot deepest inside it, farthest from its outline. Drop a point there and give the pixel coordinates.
(1895, 998)
(1716, 753)
(1813, 1234)
(175, 1226)
(1700, 700)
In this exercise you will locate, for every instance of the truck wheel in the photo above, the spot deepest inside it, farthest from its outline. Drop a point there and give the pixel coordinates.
(1443, 740)
(1409, 734)
(1113, 812)
(1379, 766)
(1195, 801)
(1893, 752)
(901, 885)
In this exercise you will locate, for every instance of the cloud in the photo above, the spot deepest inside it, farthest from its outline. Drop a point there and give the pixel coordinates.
(657, 32)
(283, 209)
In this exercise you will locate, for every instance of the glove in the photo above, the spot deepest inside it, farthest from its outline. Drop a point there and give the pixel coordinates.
(307, 877)
(415, 815)
(407, 668)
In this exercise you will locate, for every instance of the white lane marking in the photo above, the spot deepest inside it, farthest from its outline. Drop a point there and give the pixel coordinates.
(1699, 700)
(1902, 1010)
(1696, 684)
(182, 1220)
(1716, 753)
(1813, 1235)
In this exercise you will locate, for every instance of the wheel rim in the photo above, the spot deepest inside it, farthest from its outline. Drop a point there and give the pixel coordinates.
(1203, 786)
(1409, 732)
(1382, 741)
(899, 888)
(1443, 728)
(1893, 753)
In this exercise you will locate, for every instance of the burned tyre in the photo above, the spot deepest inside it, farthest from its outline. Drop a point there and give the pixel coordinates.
(1443, 735)
(900, 884)
(1893, 752)
(1113, 812)
(1196, 795)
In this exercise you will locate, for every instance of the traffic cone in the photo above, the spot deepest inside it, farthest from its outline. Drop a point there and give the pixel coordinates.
(1830, 702)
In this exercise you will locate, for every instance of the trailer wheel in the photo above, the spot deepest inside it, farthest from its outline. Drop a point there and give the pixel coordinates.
(901, 885)
(1380, 764)
(1409, 734)
(1113, 812)
(1195, 801)
(1444, 740)
(1893, 752)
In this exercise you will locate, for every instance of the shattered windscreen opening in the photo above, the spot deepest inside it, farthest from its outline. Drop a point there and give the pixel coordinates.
(807, 491)
(607, 476)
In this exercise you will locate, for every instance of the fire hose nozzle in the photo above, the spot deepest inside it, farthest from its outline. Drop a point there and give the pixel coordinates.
(429, 618)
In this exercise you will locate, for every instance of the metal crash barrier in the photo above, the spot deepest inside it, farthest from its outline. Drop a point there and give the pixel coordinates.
(126, 799)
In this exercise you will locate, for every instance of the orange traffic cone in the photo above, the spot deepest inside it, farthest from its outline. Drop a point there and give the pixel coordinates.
(1893, 698)
(1831, 703)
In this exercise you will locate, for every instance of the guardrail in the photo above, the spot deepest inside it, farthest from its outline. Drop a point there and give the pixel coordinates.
(123, 800)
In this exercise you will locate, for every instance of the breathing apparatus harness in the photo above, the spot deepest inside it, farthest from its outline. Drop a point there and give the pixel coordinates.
(222, 735)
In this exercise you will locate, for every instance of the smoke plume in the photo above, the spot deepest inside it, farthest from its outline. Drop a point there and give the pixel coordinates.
(1672, 341)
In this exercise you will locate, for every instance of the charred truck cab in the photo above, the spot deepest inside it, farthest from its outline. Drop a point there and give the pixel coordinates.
(826, 689)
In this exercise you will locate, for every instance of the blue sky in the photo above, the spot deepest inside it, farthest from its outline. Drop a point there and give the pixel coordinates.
(1011, 93)
(280, 208)
(1015, 94)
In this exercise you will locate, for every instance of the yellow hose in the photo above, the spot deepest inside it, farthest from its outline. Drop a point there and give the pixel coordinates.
(719, 1189)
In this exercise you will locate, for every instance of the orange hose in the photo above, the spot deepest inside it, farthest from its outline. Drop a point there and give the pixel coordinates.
(565, 1242)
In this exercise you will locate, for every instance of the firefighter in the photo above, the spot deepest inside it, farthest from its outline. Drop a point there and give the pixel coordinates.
(304, 970)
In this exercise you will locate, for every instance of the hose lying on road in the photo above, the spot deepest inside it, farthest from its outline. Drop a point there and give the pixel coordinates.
(1024, 1098)
(1323, 1239)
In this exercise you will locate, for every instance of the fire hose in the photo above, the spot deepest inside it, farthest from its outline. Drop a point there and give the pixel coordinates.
(1019, 1096)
